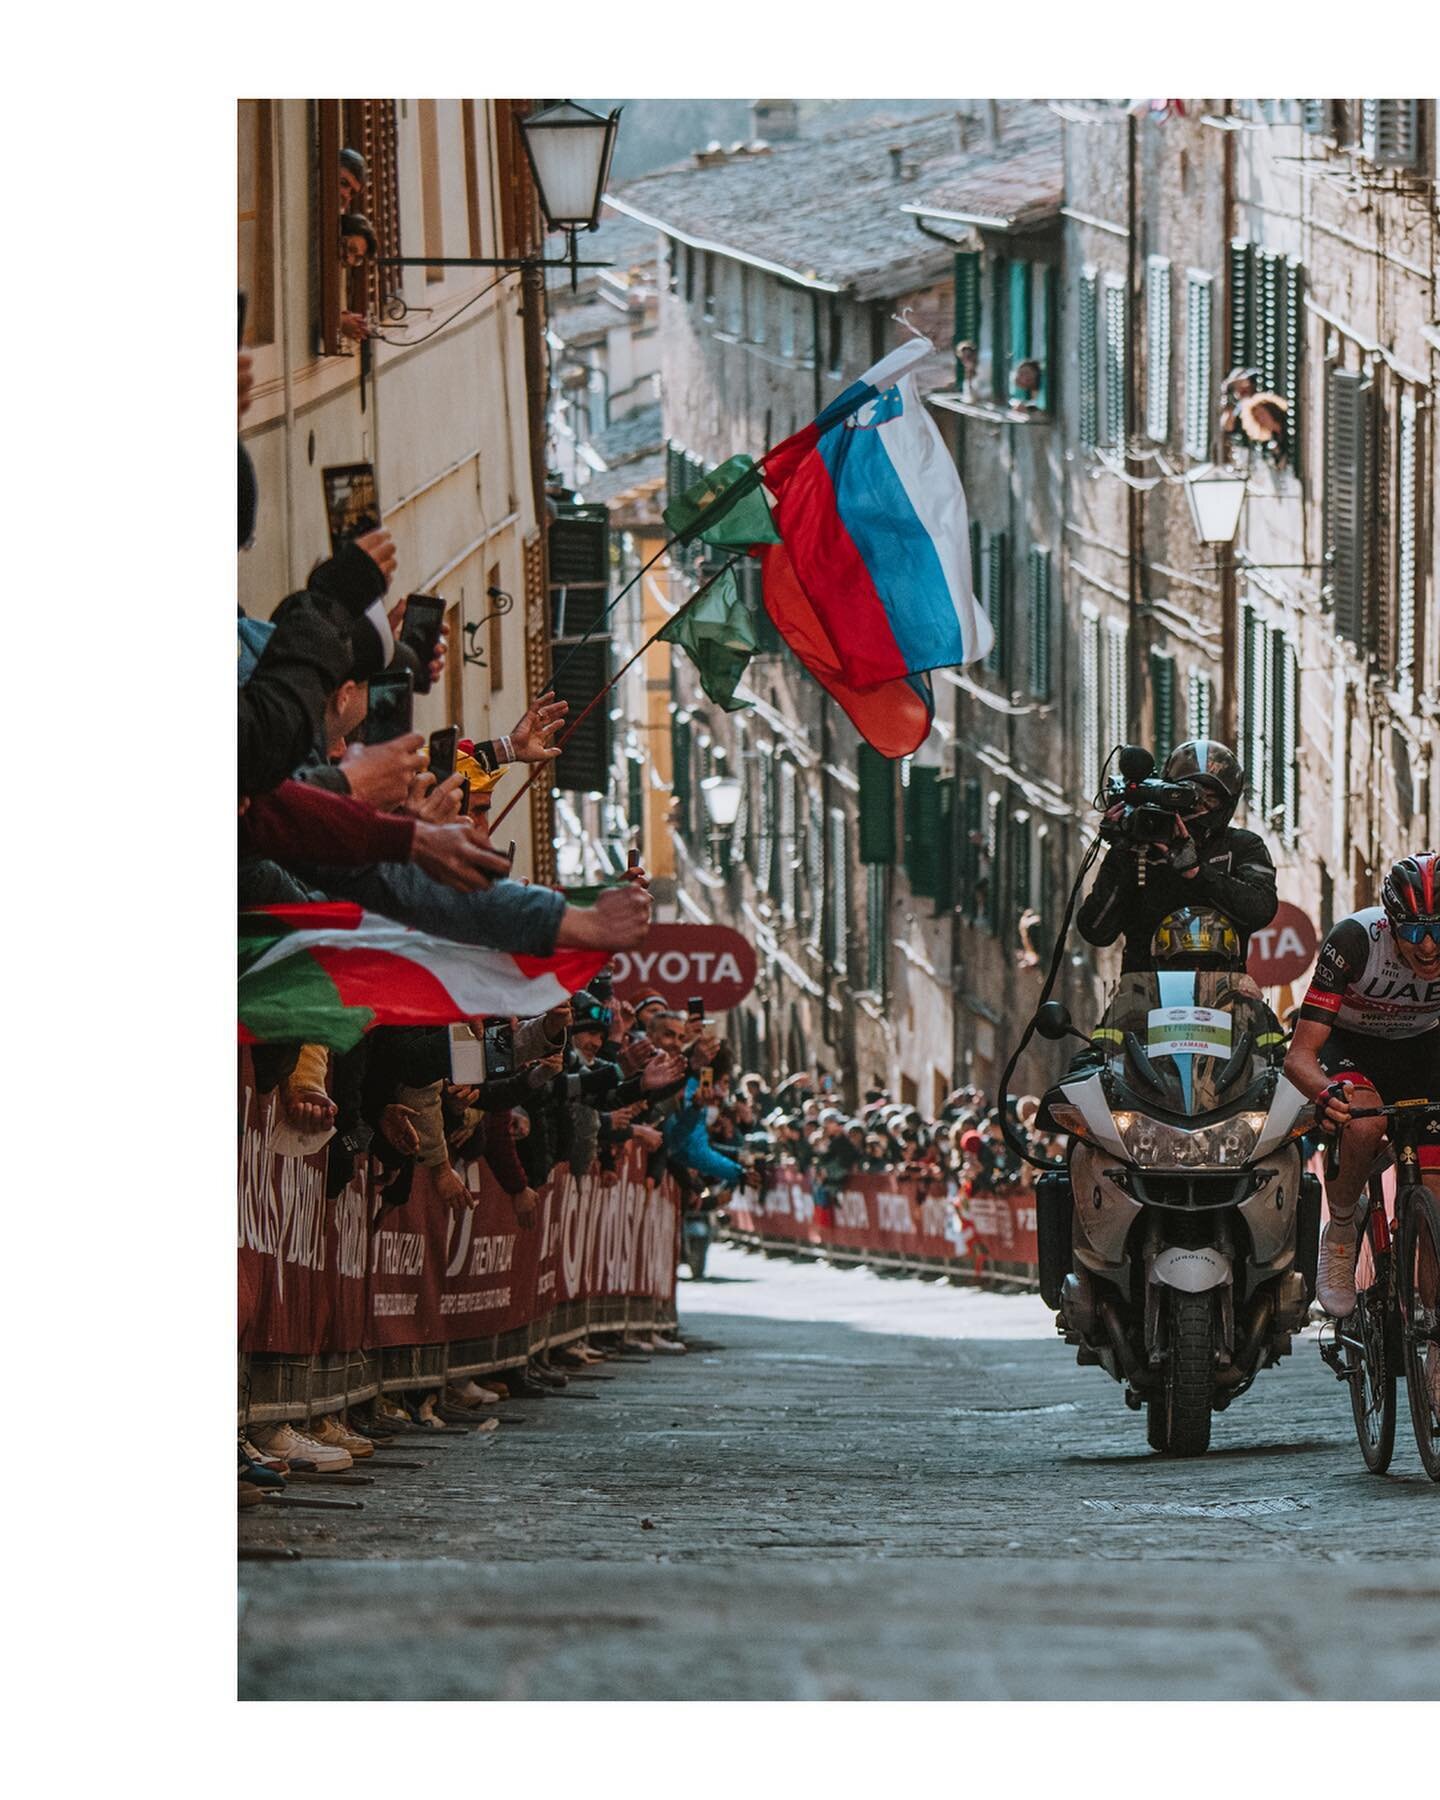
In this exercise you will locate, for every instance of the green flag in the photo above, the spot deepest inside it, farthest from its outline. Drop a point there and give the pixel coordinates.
(727, 509)
(718, 633)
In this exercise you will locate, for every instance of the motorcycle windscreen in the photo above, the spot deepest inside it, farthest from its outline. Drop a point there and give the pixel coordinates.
(1192, 1041)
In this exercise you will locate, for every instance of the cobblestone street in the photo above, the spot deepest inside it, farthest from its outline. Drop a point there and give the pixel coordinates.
(856, 1487)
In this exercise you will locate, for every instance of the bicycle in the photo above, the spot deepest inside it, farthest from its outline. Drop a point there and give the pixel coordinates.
(1396, 1321)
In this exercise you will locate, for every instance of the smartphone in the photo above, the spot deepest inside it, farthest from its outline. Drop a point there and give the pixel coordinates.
(695, 1006)
(499, 1049)
(510, 851)
(707, 1082)
(465, 801)
(632, 860)
(424, 620)
(391, 706)
(352, 501)
(442, 753)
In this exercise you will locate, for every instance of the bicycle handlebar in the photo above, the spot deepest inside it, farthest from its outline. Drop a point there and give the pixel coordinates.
(1401, 1109)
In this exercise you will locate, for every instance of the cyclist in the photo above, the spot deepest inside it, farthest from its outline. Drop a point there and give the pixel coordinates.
(1369, 1035)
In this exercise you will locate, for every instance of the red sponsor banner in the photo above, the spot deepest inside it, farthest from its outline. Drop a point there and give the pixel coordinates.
(890, 1215)
(319, 1275)
(679, 961)
(1284, 949)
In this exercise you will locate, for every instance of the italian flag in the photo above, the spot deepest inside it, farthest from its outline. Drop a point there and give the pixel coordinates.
(325, 974)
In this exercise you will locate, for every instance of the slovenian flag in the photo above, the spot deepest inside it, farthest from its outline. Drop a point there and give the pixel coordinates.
(875, 539)
(326, 973)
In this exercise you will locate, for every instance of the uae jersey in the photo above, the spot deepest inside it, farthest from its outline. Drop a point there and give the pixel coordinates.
(1361, 984)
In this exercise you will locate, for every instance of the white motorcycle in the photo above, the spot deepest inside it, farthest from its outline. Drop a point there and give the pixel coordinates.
(1179, 1245)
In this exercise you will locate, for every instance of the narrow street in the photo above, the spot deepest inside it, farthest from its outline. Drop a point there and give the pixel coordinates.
(859, 1488)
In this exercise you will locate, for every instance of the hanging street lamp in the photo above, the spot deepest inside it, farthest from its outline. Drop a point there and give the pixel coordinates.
(1215, 498)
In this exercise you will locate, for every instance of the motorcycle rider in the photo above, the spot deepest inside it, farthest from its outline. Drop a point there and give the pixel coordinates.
(1369, 1035)
(1209, 864)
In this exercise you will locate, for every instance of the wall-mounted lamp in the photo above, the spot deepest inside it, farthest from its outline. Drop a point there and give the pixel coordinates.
(503, 603)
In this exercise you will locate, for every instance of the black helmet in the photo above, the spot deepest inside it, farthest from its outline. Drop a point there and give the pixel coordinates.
(1411, 891)
(589, 1012)
(1210, 764)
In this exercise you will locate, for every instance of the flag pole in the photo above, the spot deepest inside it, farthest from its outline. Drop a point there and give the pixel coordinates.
(580, 718)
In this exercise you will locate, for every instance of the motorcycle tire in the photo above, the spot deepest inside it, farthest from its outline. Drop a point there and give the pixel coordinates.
(1420, 1288)
(695, 1257)
(1366, 1352)
(1178, 1416)
(1054, 1209)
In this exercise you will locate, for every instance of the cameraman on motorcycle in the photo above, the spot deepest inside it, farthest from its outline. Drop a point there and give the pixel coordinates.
(1206, 863)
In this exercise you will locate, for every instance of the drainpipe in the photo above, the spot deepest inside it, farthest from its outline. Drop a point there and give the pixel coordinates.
(1225, 554)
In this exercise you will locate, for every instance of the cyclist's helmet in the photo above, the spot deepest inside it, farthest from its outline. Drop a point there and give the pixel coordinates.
(1211, 765)
(1411, 891)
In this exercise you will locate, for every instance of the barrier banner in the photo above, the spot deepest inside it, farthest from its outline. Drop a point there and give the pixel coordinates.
(319, 1275)
(893, 1216)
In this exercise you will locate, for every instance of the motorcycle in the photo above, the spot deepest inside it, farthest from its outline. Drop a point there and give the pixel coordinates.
(1178, 1247)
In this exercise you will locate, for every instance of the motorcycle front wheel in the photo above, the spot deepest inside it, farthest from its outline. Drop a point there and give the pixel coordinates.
(1178, 1416)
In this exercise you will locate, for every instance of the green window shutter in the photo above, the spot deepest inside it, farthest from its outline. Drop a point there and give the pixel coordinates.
(680, 771)
(1089, 704)
(1247, 701)
(877, 806)
(1038, 634)
(1290, 791)
(1116, 347)
(765, 825)
(968, 858)
(1018, 347)
(1199, 301)
(967, 303)
(1347, 461)
(1242, 343)
(788, 845)
(877, 928)
(1269, 294)
(1282, 729)
(1406, 547)
(1198, 704)
(1157, 349)
(996, 603)
(1088, 355)
(1162, 690)
(922, 832)
(999, 320)
(945, 845)
(839, 944)
(1292, 344)
(1042, 335)
(1019, 884)
(992, 864)
(1117, 685)
(674, 473)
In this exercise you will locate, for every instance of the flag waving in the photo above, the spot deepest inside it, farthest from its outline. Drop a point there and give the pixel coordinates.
(873, 520)
(326, 973)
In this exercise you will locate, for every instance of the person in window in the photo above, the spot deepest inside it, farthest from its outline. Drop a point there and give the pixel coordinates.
(967, 355)
(1025, 383)
(1261, 420)
(358, 243)
(1207, 864)
(353, 176)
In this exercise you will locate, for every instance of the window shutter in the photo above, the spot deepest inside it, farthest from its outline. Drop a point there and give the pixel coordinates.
(1269, 278)
(1157, 349)
(1290, 774)
(788, 847)
(967, 303)
(996, 603)
(1198, 704)
(992, 864)
(1089, 361)
(1117, 699)
(1293, 341)
(970, 847)
(1019, 335)
(1042, 332)
(877, 806)
(1247, 701)
(579, 558)
(1317, 116)
(1241, 327)
(1405, 548)
(815, 856)
(945, 858)
(1039, 623)
(765, 835)
(922, 832)
(1162, 689)
(1347, 445)
(877, 928)
(674, 473)
(1391, 132)
(680, 771)
(999, 326)
(839, 944)
(1089, 705)
(1199, 371)
(1284, 682)
(1019, 863)
(1115, 350)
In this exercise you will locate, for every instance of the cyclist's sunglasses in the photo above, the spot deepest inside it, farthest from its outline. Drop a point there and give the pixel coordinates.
(1418, 931)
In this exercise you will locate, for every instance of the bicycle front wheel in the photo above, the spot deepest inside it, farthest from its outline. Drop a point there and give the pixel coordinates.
(1420, 1298)
(1369, 1368)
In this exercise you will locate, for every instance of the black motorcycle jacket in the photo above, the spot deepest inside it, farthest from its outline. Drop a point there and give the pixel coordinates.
(1236, 877)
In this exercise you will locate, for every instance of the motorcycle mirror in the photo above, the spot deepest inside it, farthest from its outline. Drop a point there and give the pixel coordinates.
(1053, 1021)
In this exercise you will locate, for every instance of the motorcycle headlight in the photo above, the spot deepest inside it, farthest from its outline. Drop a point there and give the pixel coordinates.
(1151, 1145)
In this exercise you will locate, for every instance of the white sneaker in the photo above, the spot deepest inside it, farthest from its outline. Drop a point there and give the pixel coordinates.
(470, 1393)
(294, 1447)
(667, 1346)
(1335, 1277)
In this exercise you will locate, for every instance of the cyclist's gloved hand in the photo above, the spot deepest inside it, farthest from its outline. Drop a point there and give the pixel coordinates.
(1332, 1106)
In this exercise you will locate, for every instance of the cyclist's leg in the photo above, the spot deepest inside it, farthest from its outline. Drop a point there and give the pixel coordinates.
(1359, 1145)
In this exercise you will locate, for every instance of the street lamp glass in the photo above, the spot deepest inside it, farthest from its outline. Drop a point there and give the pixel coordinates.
(721, 794)
(569, 149)
(1215, 497)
